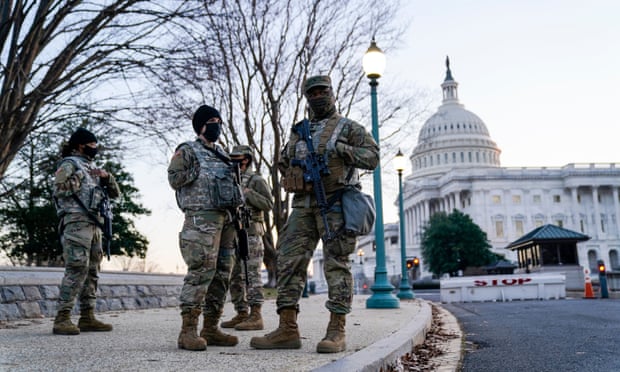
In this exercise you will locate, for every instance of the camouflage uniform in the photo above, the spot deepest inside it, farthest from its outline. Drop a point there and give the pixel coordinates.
(348, 146)
(81, 238)
(304, 227)
(259, 199)
(207, 240)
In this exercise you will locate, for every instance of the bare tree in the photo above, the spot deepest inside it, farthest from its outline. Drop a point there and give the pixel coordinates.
(249, 59)
(60, 58)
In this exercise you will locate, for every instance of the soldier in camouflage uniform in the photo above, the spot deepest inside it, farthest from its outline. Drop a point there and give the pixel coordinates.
(202, 176)
(78, 178)
(258, 200)
(347, 146)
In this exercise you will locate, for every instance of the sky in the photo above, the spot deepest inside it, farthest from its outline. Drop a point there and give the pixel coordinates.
(543, 75)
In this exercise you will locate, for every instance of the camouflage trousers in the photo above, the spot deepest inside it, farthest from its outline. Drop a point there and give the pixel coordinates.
(207, 244)
(296, 244)
(254, 295)
(81, 250)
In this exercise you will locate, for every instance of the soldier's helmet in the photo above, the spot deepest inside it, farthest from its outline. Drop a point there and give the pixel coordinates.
(242, 150)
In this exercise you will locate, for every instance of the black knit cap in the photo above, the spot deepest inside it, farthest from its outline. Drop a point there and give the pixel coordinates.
(82, 136)
(203, 114)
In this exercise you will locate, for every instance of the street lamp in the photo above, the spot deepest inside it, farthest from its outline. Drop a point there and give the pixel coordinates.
(382, 297)
(404, 289)
(360, 253)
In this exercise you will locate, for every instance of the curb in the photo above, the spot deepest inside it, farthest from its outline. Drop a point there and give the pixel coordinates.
(388, 350)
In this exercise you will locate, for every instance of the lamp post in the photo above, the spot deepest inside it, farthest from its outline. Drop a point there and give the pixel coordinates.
(404, 289)
(382, 297)
(360, 253)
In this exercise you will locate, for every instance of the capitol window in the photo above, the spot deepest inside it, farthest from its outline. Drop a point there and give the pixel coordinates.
(497, 199)
(519, 227)
(499, 229)
(556, 198)
(516, 199)
(536, 199)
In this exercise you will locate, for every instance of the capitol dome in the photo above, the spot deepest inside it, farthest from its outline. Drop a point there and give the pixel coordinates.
(453, 137)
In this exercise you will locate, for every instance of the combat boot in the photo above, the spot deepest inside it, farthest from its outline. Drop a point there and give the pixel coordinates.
(214, 336)
(88, 323)
(239, 318)
(286, 336)
(188, 338)
(333, 342)
(63, 325)
(254, 322)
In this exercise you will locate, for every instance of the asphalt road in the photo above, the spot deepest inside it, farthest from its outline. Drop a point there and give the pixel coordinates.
(555, 335)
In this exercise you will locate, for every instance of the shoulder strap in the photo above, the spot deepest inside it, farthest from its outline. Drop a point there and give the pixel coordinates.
(88, 213)
(330, 128)
(219, 155)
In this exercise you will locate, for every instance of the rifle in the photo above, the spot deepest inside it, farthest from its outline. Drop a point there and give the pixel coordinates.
(240, 215)
(241, 219)
(315, 165)
(105, 209)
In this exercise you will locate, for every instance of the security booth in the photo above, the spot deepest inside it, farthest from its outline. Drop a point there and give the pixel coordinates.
(550, 248)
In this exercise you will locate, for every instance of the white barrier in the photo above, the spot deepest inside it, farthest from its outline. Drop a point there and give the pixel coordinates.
(503, 288)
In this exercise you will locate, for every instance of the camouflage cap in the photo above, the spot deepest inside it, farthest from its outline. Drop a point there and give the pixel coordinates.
(317, 81)
(241, 150)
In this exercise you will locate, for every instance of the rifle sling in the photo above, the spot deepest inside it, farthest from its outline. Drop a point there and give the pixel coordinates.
(219, 155)
(88, 213)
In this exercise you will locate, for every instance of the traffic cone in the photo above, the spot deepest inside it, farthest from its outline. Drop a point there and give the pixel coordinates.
(588, 292)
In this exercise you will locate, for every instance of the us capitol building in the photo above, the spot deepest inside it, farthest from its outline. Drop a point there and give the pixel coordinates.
(456, 165)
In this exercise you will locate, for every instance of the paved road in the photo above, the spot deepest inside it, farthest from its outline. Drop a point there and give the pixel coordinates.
(556, 335)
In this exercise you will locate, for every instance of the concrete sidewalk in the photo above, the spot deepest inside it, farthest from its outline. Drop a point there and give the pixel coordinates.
(146, 340)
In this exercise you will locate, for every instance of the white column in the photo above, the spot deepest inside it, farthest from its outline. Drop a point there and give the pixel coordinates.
(416, 224)
(597, 213)
(457, 200)
(617, 209)
(575, 209)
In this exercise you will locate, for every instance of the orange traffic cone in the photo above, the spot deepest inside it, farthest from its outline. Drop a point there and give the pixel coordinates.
(588, 292)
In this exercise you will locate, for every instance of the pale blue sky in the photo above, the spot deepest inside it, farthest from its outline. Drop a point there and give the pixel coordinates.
(542, 74)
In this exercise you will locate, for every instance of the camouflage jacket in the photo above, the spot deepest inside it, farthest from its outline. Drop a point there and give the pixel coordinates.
(77, 175)
(349, 147)
(202, 181)
(258, 198)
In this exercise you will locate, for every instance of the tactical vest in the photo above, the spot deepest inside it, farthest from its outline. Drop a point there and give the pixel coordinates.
(90, 193)
(324, 141)
(214, 187)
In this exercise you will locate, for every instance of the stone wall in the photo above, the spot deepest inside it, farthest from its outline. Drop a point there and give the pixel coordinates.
(33, 292)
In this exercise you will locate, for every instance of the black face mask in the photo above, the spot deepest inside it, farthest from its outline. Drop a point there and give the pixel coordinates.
(212, 132)
(322, 107)
(91, 152)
